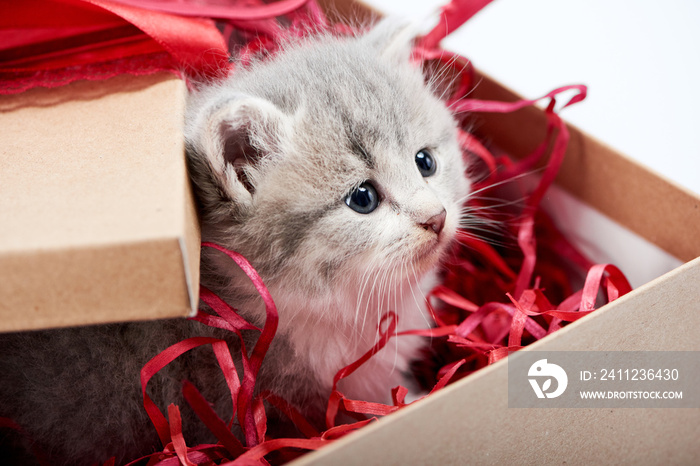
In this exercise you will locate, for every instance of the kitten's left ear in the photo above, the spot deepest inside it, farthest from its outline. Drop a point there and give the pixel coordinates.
(393, 37)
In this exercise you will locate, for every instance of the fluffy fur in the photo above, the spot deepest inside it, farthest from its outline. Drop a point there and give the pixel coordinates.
(273, 153)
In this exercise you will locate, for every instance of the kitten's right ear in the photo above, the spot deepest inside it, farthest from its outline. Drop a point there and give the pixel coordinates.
(228, 143)
(393, 36)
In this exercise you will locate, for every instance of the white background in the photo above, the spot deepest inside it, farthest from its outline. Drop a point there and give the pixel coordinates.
(640, 60)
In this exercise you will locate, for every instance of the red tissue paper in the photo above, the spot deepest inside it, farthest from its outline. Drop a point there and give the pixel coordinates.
(494, 298)
(51, 43)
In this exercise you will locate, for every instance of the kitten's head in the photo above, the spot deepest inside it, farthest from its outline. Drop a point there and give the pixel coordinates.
(329, 165)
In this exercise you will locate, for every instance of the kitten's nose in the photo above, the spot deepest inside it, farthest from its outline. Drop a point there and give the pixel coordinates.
(436, 222)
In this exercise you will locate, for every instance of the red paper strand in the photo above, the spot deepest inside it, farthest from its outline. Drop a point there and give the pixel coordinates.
(213, 422)
(453, 15)
(224, 310)
(176, 434)
(336, 397)
(292, 413)
(259, 350)
(153, 366)
(39, 455)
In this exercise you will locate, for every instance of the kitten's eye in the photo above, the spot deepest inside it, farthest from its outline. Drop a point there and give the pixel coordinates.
(426, 163)
(364, 199)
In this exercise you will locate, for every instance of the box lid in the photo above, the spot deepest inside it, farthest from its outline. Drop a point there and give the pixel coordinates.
(98, 223)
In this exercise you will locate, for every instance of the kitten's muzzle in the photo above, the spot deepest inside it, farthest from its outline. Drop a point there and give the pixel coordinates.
(435, 223)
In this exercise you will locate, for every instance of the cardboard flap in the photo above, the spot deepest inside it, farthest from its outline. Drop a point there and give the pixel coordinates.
(96, 204)
(470, 421)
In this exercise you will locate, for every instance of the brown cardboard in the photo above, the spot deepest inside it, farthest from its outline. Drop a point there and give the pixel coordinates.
(98, 222)
(469, 422)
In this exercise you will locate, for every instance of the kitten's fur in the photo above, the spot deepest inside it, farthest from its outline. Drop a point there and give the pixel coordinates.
(273, 154)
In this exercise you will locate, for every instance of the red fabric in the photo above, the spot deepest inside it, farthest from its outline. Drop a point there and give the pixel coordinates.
(232, 11)
(54, 42)
(194, 43)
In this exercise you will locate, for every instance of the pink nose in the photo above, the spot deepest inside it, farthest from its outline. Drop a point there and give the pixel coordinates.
(436, 222)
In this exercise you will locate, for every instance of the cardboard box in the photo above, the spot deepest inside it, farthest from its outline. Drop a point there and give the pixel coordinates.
(97, 225)
(470, 422)
(97, 217)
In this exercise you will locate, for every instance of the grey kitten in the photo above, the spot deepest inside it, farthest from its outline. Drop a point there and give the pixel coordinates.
(336, 171)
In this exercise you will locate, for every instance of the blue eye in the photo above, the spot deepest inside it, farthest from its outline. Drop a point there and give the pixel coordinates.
(426, 163)
(364, 199)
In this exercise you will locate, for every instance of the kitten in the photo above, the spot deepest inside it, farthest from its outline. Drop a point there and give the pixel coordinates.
(336, 171)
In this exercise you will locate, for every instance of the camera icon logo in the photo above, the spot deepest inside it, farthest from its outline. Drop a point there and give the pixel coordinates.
(541, 369)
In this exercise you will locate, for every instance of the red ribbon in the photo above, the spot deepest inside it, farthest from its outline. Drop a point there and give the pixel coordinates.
(176, 434)
(194, 43)
(164, 358)
(251, 367)
(53, 42)
(336, 397)
(231, 12)
(452, 16)
(210, 419)
(229, 318)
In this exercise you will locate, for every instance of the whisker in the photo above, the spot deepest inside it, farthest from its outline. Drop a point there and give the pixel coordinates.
(490, 240)
(498, 203)
(369, 299)
(466, 94)
(498, 183)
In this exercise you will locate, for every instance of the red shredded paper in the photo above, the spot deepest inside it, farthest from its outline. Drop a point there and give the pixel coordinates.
(494, 299)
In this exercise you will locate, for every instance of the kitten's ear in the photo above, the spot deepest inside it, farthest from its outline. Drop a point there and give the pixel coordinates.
(393, 37)
(228, 144)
